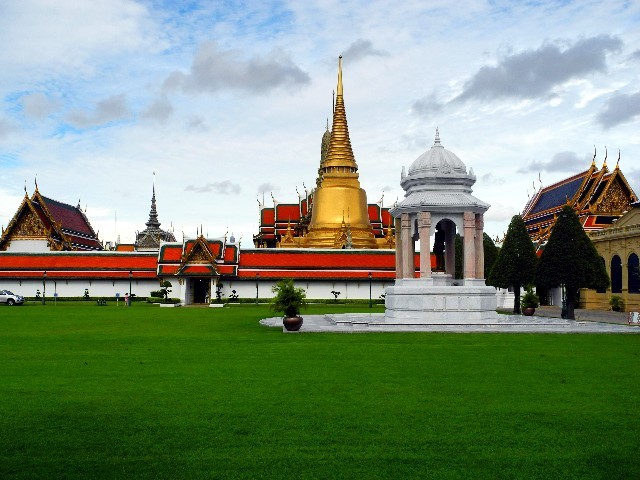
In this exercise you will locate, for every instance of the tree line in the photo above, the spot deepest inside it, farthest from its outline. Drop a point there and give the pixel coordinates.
(569, 259)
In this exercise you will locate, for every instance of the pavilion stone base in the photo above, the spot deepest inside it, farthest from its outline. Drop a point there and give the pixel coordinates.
(437, 301)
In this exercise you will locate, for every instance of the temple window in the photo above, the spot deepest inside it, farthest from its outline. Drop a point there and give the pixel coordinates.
(616, 274)
(634, 274)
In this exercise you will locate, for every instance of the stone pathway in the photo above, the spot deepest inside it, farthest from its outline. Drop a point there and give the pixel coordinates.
(374, 322)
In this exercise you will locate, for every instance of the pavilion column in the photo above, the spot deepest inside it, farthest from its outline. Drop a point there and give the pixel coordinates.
(408, 268)
(398, 231)
(469, 225)
(424, 229)
(450, 248)
(479, 244)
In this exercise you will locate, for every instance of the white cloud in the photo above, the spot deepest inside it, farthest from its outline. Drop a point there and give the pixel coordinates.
(38, 105)
(619, 108)
(214, 69)
(108, 110)
(64, 33)
(226, 187)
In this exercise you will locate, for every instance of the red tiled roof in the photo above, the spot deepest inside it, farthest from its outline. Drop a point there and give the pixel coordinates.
(288, 212)
(317, 274)
(374, 212)
(231, 254)
(76, 265)
(267, 216)
(170, 252)
(307, 258)
(70, 217)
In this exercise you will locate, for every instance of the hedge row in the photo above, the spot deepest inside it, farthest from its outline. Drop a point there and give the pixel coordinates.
(82, 299)
(162, 300)
(364, 301)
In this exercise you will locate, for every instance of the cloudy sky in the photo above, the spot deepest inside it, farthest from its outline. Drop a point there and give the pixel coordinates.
(227, 101)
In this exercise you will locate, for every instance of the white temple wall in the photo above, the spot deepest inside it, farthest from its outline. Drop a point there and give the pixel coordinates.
(357, 289)
(75, 288)
(28, 246)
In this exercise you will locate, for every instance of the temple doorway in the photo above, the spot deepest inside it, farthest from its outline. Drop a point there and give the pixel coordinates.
(201, 288)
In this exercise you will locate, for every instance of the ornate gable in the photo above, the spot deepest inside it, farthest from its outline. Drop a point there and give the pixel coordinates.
(616, 195)
(29, 226)
(31, 222)
(198, 259)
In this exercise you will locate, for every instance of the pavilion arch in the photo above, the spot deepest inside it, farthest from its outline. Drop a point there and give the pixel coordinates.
(633, 274)
(616, 274)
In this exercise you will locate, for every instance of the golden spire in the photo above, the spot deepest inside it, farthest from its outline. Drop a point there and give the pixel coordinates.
(604, 165)
(339, 190)
(340, 153)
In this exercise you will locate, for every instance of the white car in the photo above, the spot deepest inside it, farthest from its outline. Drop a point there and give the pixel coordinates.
(10, 298)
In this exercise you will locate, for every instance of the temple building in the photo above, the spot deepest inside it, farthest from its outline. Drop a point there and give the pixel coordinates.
(598, 195)
(335, 214)
(619, 247)
(151, 237)
(42, 224)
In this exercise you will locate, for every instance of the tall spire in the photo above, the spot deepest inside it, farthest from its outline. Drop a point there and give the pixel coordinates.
(153, 214)
(339, 190)
(340, 152)
(437, 143)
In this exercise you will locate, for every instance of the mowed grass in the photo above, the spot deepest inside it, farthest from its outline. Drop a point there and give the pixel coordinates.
(148, 392)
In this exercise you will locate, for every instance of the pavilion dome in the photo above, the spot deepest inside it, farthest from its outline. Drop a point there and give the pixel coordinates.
(437, 161)
(438, 181)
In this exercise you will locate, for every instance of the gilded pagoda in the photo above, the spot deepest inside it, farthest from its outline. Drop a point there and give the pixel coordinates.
(335, 214)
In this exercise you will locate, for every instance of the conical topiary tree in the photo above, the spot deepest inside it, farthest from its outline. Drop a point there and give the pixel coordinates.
(516, 263)
(570, 259)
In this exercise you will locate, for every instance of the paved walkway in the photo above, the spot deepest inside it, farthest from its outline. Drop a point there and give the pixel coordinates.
(587, 321)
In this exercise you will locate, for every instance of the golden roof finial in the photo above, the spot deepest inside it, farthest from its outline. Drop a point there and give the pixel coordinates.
(604, 164)
(618, 162)
(339, 89)
(593, 161)
(340, 153)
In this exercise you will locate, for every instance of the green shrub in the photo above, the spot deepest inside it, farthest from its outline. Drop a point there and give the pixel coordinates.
(529, 299)
(288, 299)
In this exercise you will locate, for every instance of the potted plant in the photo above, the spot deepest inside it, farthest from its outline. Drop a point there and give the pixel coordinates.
(529, 302)
(616, 303)
(289, 300)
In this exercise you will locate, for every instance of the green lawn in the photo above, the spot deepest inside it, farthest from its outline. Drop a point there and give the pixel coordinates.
(148, 392)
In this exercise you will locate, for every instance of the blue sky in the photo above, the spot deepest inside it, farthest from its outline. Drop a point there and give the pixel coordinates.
(227, 101)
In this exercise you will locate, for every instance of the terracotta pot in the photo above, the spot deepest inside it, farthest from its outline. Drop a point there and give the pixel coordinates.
(528, 311)
(292, 324)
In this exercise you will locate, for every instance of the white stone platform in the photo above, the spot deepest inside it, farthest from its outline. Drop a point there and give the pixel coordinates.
(376, 322)
(436, 300)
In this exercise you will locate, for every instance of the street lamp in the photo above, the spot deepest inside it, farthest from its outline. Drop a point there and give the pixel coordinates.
(369, 289)
(257, 278)
(130, 277)
(44, 286)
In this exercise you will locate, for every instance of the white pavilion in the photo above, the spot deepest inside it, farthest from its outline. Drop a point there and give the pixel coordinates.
(439, 200)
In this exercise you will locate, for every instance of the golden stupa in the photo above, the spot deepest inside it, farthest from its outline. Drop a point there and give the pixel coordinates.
(339, 217)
